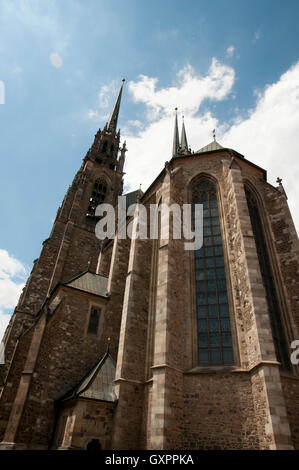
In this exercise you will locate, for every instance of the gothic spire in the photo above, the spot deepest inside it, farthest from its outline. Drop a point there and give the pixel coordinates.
(176, 142)
(184, 143)
(112, 123)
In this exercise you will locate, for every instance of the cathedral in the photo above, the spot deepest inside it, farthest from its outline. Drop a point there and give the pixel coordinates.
(138, 343)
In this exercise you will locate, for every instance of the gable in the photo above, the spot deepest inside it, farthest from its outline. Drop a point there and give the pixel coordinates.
(98, 384)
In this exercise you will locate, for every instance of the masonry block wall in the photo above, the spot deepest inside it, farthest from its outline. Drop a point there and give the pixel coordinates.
(166, 400)
(82, 420)
(240, 407)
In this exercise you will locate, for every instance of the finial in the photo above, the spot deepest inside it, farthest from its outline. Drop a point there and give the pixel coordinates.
(108, 344)
(279, 180)
(214, 134)
(88, 264)
(123, 80)
(138, 195)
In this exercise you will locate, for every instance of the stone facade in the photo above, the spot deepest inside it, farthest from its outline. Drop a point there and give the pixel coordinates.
(165, 399)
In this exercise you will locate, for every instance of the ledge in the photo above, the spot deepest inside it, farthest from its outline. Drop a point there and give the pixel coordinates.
(163, 366)
(289, 375)
(121, 379)
(210, 370)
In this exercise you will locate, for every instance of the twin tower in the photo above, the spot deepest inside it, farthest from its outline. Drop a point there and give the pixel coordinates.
(140, 344)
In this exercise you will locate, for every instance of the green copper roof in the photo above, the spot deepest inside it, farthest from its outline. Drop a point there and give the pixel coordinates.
(90, 282)
(98, 384)
(131, 198)
(210, 147)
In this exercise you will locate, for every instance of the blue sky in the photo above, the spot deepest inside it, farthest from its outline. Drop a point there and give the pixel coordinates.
(227, 64)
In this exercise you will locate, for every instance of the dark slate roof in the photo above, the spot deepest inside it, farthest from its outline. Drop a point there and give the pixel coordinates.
(98, 383)
(208, 148)
(90, 282)
(131, 198)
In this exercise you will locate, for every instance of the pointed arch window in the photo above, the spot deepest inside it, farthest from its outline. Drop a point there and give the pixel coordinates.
(98, 196)
(94, 320)
(214, 338)
(104, 147)
(274, 310)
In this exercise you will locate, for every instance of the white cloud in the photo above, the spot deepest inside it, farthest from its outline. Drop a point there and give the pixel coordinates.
(136, 123)
(106, 98)
(96, 116)
(257, 36)
(188, 94)
(12, 277)
(41, 18)
(132, 126)
(150, 146)
(93, 115)
(2, 92)
(230, 51)
(267, 135)
(56, 60)
(10, 266)
(107, 93)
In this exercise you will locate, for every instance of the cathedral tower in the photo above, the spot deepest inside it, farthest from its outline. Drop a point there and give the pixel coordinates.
(71, 249)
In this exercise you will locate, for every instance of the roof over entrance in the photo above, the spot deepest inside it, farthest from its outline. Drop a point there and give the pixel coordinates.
(98, 384)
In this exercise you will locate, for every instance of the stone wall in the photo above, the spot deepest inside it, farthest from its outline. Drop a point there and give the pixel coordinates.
(290, 386)
(165, 399)
(219, 412)
(66, 354)
(82, 420)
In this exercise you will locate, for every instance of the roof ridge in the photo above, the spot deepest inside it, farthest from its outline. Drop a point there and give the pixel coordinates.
(214, 145)
(76, 277)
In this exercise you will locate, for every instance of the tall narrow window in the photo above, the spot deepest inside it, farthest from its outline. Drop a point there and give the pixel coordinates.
(104, 146)
(279, 339)
(213, 320)
(93, 321)
(97, 197)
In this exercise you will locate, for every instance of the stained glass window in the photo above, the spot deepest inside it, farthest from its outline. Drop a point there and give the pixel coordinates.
(213, 319)
(279, 339)
(97, 197)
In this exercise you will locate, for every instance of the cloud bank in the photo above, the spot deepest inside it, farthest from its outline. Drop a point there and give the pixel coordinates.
(12, 279)
(189, 93)
(267, 135)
